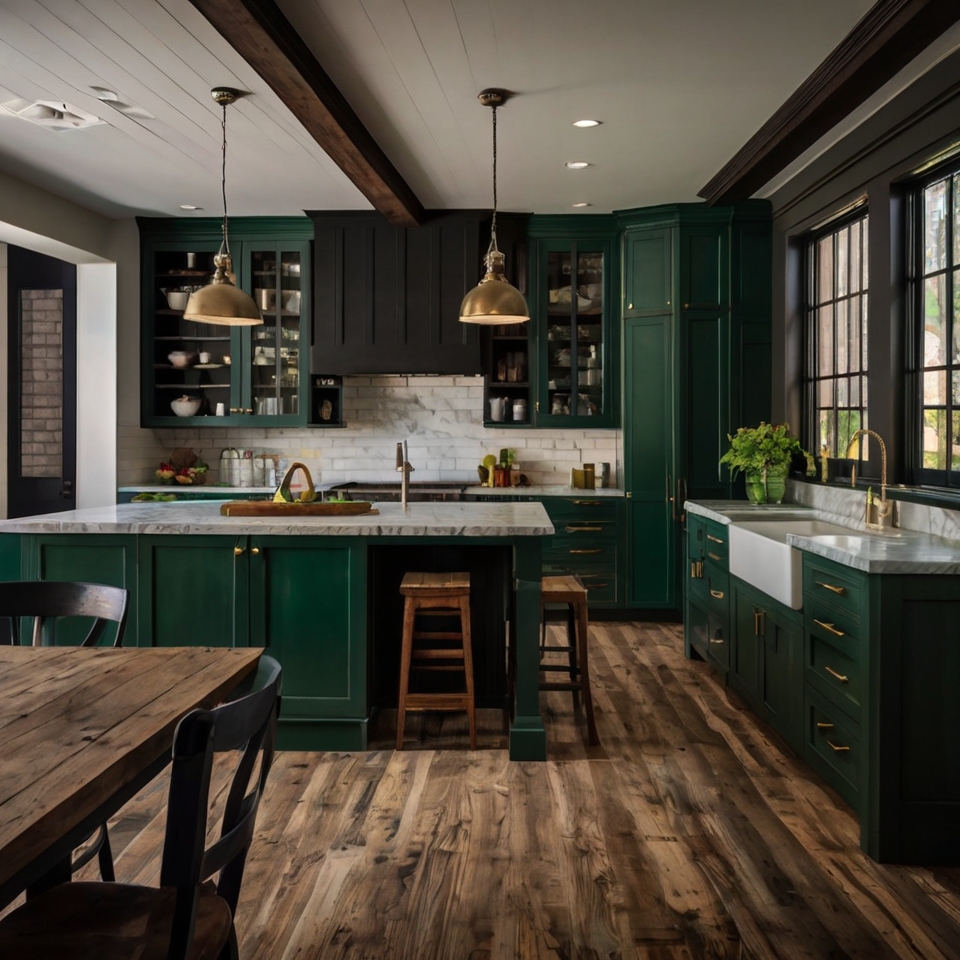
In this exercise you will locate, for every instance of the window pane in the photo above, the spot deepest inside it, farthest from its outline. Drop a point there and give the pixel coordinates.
(934, 387)
(825, 394)
(855, 257)
(854, 325)
(956, 219)
(825, 323)
(934, 232)
(827, 436)
(955, 442)
(955, 387)
(934, 329)
(843, 338)
(848, 423)
(843, 247)
(843, 392)
(934, 439)
(825, 270)
(863, 332)
(865, 230)
(854, 391)
(956, 316)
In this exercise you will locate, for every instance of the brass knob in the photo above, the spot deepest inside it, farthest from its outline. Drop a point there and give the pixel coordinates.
(255, 551)
(237, 551)
(629, 306)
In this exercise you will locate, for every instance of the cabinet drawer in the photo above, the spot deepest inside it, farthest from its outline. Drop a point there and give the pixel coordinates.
(828, 584)
(836, 626)
(574, 549)
(718, 589)
(834, 741)
(715, 540)
(835, 674)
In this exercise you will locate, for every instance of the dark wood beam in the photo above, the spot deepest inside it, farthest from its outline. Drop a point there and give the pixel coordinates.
(264, 37)
(888, 37)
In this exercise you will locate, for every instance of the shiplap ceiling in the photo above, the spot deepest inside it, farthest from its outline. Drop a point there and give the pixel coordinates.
(680, 85)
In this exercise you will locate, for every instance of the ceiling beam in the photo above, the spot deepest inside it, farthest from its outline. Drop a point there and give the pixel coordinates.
(260, 33)
(888, 37)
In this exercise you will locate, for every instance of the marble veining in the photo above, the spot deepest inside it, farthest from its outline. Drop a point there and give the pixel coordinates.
(897, 551)
(477, 519)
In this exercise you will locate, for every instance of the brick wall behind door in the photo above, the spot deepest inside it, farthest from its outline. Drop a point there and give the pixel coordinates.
(41, 391)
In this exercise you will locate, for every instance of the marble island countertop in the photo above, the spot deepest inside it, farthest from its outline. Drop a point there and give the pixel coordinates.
(421, 519)
(893, 551)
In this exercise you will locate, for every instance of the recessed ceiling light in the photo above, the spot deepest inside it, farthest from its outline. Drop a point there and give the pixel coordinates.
(53, 115)
(576, 164)
(586, 123)
(189, 206)
(581, 204)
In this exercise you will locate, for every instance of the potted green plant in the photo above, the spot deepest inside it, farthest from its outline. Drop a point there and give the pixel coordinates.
(764, 454)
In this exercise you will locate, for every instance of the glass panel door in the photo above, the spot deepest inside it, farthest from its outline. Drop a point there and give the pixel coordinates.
(275, 346)
(575, 332)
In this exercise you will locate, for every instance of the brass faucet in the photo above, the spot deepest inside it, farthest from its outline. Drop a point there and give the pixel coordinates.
(405, 469)
(875, 514)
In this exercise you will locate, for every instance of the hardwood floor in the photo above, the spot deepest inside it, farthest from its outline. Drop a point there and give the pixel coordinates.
(691, 832)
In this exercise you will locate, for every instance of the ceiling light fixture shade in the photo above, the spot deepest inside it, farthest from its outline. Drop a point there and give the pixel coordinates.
(494, 300)
(221, 302)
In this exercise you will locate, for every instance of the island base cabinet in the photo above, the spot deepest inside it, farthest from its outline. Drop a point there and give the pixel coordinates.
(93, 558)
(308, 608)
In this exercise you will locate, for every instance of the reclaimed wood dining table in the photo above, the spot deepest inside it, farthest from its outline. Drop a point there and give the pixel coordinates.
(81, 731)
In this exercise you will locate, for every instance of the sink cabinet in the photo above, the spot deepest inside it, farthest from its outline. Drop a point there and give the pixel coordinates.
(708, 592)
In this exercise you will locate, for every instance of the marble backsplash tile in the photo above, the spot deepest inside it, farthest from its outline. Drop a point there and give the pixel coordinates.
(441, 418)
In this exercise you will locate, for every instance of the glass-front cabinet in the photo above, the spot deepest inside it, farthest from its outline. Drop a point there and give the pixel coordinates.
(562, 372)
(214, 375)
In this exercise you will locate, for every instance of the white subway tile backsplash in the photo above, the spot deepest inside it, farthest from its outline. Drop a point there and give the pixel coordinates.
(441, 418)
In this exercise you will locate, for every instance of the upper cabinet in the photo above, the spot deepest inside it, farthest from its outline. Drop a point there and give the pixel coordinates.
(563, 371)
(388, 298)
(230, 375)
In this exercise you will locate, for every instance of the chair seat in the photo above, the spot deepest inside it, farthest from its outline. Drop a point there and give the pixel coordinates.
(103, 921)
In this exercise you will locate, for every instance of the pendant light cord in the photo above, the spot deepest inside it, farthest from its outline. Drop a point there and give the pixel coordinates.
(223, 179)
(493, 225)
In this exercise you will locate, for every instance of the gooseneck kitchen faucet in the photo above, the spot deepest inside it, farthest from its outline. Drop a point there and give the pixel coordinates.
(403, 465)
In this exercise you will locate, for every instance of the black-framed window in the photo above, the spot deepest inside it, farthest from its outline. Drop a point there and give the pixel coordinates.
(934, 302)
(835, 327)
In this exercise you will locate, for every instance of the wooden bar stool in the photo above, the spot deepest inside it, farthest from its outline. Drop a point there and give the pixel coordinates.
(569, 590)
(443, 595)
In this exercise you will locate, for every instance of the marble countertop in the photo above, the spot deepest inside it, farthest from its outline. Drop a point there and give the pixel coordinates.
(543, 490)
(197, 517)
(895, 551)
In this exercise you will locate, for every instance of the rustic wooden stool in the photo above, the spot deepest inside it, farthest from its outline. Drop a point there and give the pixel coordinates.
(569, 590)
(444, 595)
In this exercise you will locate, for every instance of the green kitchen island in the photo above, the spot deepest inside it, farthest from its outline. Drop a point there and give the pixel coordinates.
(302, 587)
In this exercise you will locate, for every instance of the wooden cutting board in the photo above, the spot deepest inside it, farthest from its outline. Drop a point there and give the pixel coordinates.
(267, 508)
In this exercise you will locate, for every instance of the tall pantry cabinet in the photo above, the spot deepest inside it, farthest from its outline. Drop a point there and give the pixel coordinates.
(696, 365)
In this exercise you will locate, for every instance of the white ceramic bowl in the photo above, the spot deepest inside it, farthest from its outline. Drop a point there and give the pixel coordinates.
(185, 406)
(181, 358)
(177, 299)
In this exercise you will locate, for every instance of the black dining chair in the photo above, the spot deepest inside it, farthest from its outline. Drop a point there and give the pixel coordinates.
(48, 603)
(185, 916)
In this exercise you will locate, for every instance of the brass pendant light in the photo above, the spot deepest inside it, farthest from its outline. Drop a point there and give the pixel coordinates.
(494, 300)
(220, 301)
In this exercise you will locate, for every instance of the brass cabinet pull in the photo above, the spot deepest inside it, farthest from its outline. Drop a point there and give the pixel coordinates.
(713, 556)
(696, 569)
(586, 503)
(583, 529)
(716, 640)
(839, 676)
(824, 726)
(841, 591)
(718, 594)
(759, 622)
(255, 551)
(236, 409)
(671, 499)
(237, 551)
(830, 628)
(837, 749)
(710, 536)
(597, 550)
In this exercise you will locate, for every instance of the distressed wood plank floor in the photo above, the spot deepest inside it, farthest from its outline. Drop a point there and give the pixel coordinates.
(692, 832)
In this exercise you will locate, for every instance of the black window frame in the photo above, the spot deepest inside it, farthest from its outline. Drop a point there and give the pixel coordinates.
(916, 276)
(812, 375)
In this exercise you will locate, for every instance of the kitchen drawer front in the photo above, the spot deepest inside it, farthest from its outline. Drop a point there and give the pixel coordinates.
(576, 548)
(716, 543)
(833, 747)
(581, 510)
(718, 589)
(837, 626)
(718, 640)
(600, 579)
(833, 586)
(835, 674)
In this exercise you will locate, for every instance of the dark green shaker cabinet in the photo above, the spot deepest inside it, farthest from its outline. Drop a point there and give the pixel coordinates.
(701, 275)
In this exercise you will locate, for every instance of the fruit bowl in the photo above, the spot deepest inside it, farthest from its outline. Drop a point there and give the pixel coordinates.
(181, 358)
(185, 406)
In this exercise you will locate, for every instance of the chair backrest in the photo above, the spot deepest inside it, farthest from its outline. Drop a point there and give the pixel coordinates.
(248, 724)
(45, 600)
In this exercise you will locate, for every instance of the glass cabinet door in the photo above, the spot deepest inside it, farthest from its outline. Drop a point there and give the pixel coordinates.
(574, 350)
(273, 361)
(188, 372)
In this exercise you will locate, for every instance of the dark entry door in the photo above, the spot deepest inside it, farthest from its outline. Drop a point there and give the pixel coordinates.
(42, 430)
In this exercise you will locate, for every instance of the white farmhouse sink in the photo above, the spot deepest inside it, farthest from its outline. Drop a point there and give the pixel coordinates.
(760, 555)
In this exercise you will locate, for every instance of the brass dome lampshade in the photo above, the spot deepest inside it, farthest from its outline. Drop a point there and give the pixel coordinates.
(220, 301)
(494, 300)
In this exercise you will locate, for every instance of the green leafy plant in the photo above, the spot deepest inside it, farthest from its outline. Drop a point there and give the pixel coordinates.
(763, 448)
